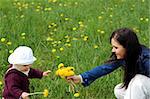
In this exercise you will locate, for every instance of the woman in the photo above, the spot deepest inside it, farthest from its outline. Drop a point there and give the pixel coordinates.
(134, 57)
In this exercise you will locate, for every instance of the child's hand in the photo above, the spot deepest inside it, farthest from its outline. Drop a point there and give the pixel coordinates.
(25, 95)
(46, 73)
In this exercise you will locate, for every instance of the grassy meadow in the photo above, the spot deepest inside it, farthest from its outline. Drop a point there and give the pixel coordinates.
(73, 32)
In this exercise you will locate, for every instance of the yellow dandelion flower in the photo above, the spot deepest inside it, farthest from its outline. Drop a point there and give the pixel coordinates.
(80, 22)
(68, 40)
(65, 72)
(9, 43)
(23, 34)
(68, 44)
(54, 1)
(49, 26)
(85, 38)
(102, 12)
(141, 19)
(146, 19)
(45, 93)
(68, 73)
(66, 36)
(61, 49)
(74, 39)
(70, 68)
(111, 16)
(61, 14)
(61, 65)
(98, 30)
(48, 9)
(57, 57)
(59, 42)
(37, 10)
(57, 72)
(76, 94)
(65, 5)
(1, 83)
(49, 39)
(23, 37)
(3, 39)
(81, 25)
(82, 35)
(18, 3)
(74, 28)
(100, 17)
(49, 0)
(102, 32)
(95, 46)
(76, 3)
(22, 16)
(60, 4)
(11, 51)
(66, 19)
(55, 29)
(53, 50)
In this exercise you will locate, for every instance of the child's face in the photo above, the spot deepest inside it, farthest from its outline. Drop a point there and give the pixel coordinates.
(25, 68)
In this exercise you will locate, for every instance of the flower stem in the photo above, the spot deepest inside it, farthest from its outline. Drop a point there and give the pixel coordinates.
(35, 93)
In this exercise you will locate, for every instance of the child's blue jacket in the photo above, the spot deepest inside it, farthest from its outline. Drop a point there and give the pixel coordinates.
(143, 61)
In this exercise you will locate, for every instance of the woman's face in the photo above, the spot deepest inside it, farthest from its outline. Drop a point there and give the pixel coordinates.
(118, 49)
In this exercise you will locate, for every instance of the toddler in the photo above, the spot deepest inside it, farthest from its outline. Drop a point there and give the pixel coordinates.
(17, 76)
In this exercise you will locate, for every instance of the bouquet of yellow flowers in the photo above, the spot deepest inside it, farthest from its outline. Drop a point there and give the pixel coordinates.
(64, 72)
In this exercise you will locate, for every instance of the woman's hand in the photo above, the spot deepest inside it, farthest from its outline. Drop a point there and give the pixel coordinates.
(76, 79)
(46, 73)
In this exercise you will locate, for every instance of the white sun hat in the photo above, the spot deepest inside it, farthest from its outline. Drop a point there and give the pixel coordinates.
(22, 55)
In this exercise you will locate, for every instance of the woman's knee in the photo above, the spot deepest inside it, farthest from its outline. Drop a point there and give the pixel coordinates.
(119, 91)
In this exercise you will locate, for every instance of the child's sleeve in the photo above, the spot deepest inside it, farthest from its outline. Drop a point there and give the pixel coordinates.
(34, 73)
(13, 85)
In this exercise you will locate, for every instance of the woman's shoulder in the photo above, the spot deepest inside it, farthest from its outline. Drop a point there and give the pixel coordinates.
(145, 51)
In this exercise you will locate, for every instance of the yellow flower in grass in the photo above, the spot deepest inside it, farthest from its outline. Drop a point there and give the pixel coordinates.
(66, 19)
(45, 93)
(23, 34)
(100, 17)
(141, 19)
(76, 94)
(61, 49)
(85, 38)
(10, 51)
(1, 83)
(53, 50)
(95, 46)
(61, 14)
(68, 44)
(146, 19)
(60, 65)
(102, 32)
(9, 43)
(3, 39)
(74, 28)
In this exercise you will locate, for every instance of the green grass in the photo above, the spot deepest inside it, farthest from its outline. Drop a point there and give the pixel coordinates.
(46, 26)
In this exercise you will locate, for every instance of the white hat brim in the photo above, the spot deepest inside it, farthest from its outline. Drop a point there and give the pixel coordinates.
(13, 60)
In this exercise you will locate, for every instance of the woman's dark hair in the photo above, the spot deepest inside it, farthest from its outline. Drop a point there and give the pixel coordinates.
(128, 39)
